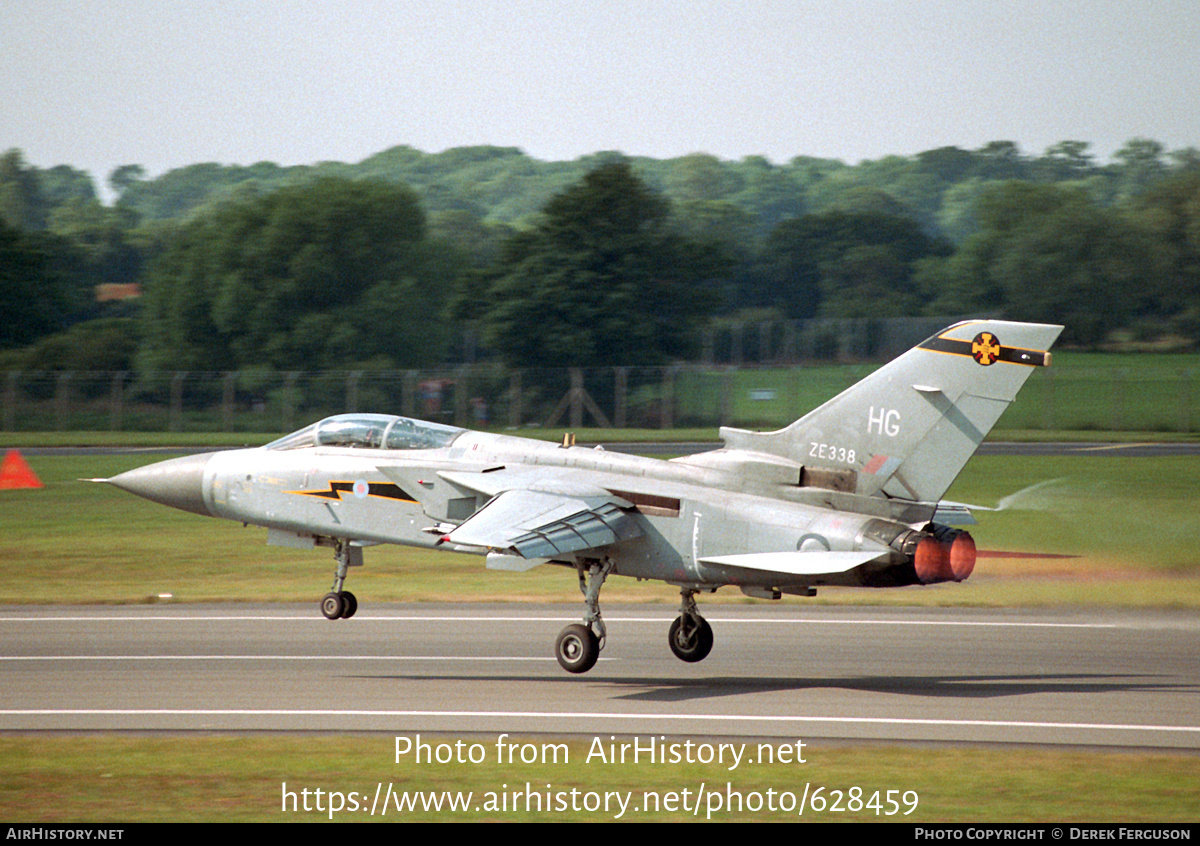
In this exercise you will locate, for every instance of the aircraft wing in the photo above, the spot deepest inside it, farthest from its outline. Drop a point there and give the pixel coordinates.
(546, 524)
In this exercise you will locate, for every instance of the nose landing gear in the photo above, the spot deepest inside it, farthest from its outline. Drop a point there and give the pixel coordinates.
(341, 604)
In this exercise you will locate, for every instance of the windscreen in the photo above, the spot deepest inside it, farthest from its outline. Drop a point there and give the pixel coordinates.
(370, 431)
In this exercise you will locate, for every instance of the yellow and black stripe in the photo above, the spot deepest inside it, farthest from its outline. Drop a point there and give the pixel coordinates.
(385, 490)
(986, 349)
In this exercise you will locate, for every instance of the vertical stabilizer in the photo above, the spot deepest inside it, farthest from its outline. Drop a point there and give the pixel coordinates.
(907, 430)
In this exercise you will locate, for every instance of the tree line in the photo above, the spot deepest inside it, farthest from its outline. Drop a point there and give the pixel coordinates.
(391, 262)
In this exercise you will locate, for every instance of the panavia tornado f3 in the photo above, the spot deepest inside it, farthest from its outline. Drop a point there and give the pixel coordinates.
(850, 494)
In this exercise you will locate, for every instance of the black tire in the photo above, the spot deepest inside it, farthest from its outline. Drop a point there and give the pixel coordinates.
(577, 648)
(350, 601)
(693, 646)
(332, 606)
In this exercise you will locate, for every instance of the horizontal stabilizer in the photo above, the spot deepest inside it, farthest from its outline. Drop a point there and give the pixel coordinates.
(795, 563)
(955, 514)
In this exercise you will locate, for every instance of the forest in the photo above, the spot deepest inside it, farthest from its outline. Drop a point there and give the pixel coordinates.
(412, 259)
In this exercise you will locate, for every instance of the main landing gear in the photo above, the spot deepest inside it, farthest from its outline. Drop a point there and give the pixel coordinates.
(690, 636)
(341, 604)
(578, 645)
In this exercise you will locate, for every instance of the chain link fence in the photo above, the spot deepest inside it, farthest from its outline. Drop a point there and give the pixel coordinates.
(486, 397)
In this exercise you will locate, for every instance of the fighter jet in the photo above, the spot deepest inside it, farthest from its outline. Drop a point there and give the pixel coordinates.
(850, 494)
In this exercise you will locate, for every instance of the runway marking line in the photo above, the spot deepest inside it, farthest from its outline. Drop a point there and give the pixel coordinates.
(562, 618)
(740, 718)
(1106, 447)
(227, 657)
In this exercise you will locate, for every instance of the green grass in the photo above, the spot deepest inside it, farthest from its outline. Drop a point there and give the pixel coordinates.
(1102, 392)
(133, 440)
(84, 778)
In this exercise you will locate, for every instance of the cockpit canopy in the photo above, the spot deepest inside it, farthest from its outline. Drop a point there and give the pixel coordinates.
(369, 431)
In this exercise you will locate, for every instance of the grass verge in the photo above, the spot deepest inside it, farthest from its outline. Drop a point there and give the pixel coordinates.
(86, 778)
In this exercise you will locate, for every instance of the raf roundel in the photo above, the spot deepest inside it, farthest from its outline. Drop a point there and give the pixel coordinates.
(985, 348)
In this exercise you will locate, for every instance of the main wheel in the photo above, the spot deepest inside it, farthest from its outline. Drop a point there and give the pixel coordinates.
(350, 603)
(333, 606)
(690, 643)
(577, 648)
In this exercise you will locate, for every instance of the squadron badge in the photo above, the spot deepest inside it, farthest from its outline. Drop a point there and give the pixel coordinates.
(985, 348)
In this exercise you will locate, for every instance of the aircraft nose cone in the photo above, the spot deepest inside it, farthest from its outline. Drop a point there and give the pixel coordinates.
(177, 482)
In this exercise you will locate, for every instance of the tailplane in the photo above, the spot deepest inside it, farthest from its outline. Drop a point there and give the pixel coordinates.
(907, 430)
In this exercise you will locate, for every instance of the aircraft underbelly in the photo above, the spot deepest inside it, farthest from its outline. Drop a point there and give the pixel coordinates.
(674, 548)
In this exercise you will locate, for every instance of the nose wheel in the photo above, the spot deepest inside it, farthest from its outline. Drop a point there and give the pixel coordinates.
(341, 604)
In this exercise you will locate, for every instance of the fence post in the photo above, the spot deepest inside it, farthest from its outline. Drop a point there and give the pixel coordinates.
(726, 401)
(708, 345)
(116, 400)
(227, 394)
(408, 393)
(62, 400)
(668, 398)
(789, 342)
(462, 387)
(515, 397)
(352, 380)
(576, 398)
(621, 395)
(176, 412)
(289, 400)
(10, 400)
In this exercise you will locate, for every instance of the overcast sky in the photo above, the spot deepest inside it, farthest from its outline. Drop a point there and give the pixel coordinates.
(165, 83)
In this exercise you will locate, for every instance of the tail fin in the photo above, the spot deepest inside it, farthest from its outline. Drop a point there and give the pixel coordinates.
(907, 430)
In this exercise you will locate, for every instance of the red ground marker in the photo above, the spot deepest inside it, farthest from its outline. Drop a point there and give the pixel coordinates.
(15, 473)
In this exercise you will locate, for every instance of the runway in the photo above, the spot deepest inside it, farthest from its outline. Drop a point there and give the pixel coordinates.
(1105, 678)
